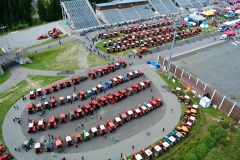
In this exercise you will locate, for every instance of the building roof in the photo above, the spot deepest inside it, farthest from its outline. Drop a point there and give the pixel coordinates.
(118, 2)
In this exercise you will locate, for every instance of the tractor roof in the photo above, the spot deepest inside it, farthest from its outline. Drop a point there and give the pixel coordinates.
(117, 119)
(137, 110)
(129, 112)
(142, 84)
(77, 135)
(94, 88)
(40, 122)
(30, 105)
(195, 106)
(94, 129)
(187, 97)
(99, 86)
(61, 82)
(143, 108)
(86, 134)
(102, 98)
(165, 144)
(45, 102)
(79, 110)
(102, 127)
(83, 92)
(86, 105)
(138, 157)
(68, 138)
(62, 115)
(37, 145)
(54, 100)
(39, 89)
(172, 139)
(148, 152)
(68, 97)
(114, 79)
(31, 92)
(54, 84)
(61, 98)
(157, 148)
(67, 80)
(30, 125)
(58, 143)
(121, 77)
(130, 73)
(192, 118)
(123, 115)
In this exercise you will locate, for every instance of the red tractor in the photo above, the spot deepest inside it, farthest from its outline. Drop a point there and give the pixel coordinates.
(32, 94)
(39, 107)
(68, 83)
(147, 153)
(123, 93)
(78, 137)
(129, 91)
(92, 74)
(31, 108)
(79, 112)
(59, 144)
(75, 80)
(105, 70)
(137, 112)
(120, 79)
(102, 101)
(101, 129)
(142, 85)
(41, 124)
(52, 122)
(82, 95)
(130, 114)
(115, 81)
(39, 92)
(63, 118)
(123, 117)
(53, 102)
(140, 73)
(54, 87)
(156, 149)
(164, 145)
(69, 140)
(95, 104)
(72, 115)
(99, 72)
(117, 121)
(159, 101)
(143, 109)
(62, 100)
(153, 103)
(136, 88)
(47, 90)
(110, 125)
(122, 63)
(38, 147)
(111, 68)
(88, 109)
(117, 96)
(32, 127)
(186, 99)
(177, 91)
(93, 131)
(61, 85)
(99, 88)
(110, 99)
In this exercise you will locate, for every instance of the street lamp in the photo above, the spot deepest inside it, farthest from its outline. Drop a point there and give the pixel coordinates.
(5, 35)
(175, 24)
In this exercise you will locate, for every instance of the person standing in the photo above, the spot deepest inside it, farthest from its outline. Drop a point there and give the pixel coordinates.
(82, 126)
(76, 145)
(53, 154)
(121, 155)
(49, 136)
(105, 135)
(14, 107)
(52, 137)
(163, 129)
(116, 139)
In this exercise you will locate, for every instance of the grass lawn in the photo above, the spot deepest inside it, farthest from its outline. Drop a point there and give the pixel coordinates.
(46, 42)
(57, 58)
(212, 136)
(12, 95)
(5, 76)
(95, 60)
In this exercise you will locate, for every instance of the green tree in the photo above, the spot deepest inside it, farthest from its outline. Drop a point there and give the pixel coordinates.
(42, 11)
(190, 156)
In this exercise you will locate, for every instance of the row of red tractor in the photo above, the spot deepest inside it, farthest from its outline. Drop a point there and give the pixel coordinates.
(109, 125)
(88, 109)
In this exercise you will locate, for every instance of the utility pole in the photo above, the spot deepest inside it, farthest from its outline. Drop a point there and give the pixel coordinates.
(3, 27)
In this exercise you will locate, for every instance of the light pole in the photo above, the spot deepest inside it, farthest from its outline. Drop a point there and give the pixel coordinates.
(5, 35)
(175, 24)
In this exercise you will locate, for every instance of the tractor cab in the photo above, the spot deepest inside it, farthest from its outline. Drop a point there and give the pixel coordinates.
(75, 80)
(171, 140)
(136, 88)
(87, 108)
(120, 79)
(146, 153)
(53, 102)
(183, 130)
(122, 63)
(82, 95)
(143, 109)
(67, 83)
(59, 145)
(28, 143)
(177, 135)
(93, 131)
(69, 140)
(117, 121)
(102, 101)
(147, 82)
(110, 99)
(110, 125)
(39, 107)
(62, 100)
(186, 99)
(159, 101)
(99, 88)
(61, 85)
(109, 84)
(117, 96)
(177, 91)
(79, 112)
(156, 149)
(195, 107)
(105, 70)
(38, 147)
(191, 112)
(72, 115)
(129, 91)
(117, 66)
(136, 156)
(94, 91)
(75, 96)
(164, 145)
(31, 108)
(83, 77)
(95, 104)
(52, 122)
(143, 86)
(99, 72)
(111, 68)
(86, 135)
(148, 105)
(125, 78)
(101, 129)
(114, 81)
(48, 146)
(130, 75)
(78, 137)
(39, 92)
(89, 93)
(63, 118)
(137, 112)
(32, 94)
(135, 74)
(41, 124)
(123, 117)
(130, 114)
(54, 87)
(153, 103)
(123, 93)
(92, 74)
(32, 127)
(47, 90)
(46, 104)
(68, 98)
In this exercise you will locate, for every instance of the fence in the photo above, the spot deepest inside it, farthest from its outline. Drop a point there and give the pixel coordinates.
(222, 102)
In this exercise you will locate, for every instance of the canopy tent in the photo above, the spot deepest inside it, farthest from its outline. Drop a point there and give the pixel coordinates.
(196, 17)
(186, 19)
(204, 25)
(208, 13)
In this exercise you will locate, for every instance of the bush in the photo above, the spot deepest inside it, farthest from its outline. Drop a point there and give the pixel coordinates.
(190, 156)
(209, 141)
(219, 133)
(224, 124)
(201, 151)
(211, 128)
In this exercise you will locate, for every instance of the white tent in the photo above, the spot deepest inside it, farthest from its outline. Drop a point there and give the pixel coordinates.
(205, 102)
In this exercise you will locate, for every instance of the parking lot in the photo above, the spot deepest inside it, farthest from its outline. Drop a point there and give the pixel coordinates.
(218, 66)
(108, 112)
